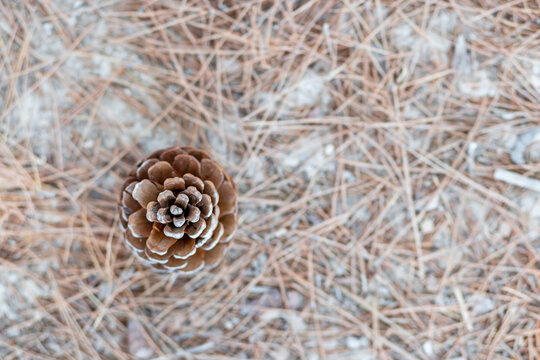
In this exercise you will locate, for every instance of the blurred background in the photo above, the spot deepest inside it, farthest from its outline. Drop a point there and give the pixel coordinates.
(387, 155)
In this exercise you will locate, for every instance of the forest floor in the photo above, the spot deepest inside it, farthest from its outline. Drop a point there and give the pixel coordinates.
(387, 155)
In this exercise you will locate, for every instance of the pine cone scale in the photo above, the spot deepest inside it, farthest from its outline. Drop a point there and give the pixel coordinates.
(144, 192)
(211, 171)
(184, 164)
(159, 243)
(138, 224)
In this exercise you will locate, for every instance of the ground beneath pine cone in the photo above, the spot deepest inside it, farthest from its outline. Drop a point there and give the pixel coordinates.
(387, 155)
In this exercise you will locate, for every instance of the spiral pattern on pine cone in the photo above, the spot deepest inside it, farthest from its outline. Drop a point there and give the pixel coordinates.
(178, 209)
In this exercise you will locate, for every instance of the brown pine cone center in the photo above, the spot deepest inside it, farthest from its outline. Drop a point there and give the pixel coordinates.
(186, 205)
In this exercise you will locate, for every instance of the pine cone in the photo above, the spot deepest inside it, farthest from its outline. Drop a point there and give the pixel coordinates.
(178, 210)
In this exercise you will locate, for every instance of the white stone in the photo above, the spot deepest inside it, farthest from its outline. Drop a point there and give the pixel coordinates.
(354, 342)
(480, 83)
(428, 348)
(427, 226)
